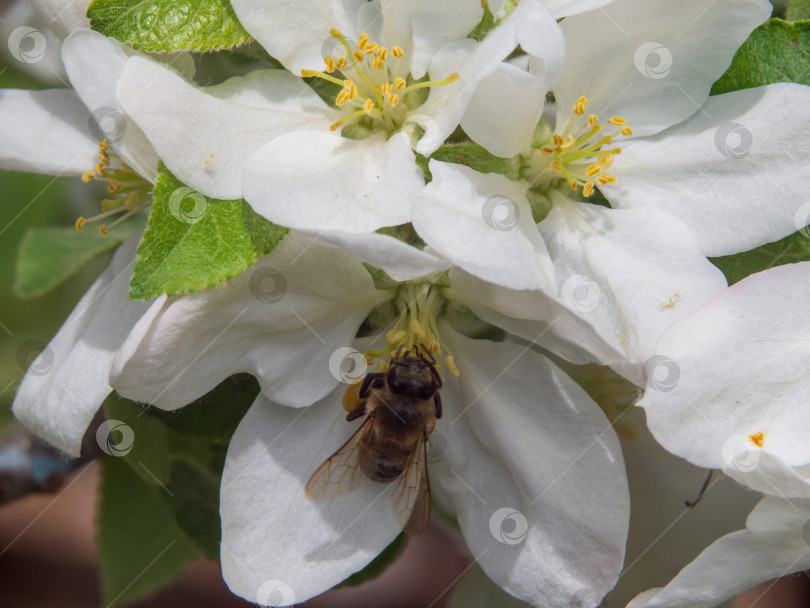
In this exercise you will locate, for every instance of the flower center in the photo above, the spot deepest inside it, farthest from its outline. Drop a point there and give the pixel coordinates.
(134, 191)
(576, 154)
(374, 83)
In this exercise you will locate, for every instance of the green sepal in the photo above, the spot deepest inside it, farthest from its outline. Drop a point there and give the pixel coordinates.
(169, 25)
(478, 158)
(141, 547)
(793, 248)
(798, 10)
(777, 51)
(49, 256)
(379, 563)
(193, 242)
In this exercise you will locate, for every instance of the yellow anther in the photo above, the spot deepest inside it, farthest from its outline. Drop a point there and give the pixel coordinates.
(418, 329)
(368, 106)
(556, 166)
(341, 63)
(607, 139)
(593, 120)
(397, 52)
(104, 144)
(451, 365)
(546, 150)
(605, 159)
(568, 143)
(378, 63)
(393, 100)
(103, 230)
(557, 140)
(574, 186)
(113, 186)
(132, 200)
(104, 158)
(341, 98)
(80, 224)
(330, 64)
(399, 83)
(88, 176)
(99, 169)
(386, 88)
(758, 438)
(371, 47)
(434, 347)
(396, 336)
(587, 190)
(617, 121)
(351, 398)
(627, 131)
(606, 179)
(382, 53)
(579, 106)
(615, 151)
(358, 54)
(592, 170)
(361, 44)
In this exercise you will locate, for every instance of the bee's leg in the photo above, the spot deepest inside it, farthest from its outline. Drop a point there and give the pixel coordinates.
(372, 380)
(356, 413)
(436, 377)
(437, 401)
(428, 353)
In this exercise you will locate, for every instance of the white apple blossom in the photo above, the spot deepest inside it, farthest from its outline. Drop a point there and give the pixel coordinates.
(349, 166)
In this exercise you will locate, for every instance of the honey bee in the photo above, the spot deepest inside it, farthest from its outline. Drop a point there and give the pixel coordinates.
(401, 408)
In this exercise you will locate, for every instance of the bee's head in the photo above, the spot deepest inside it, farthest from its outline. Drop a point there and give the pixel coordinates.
(411, 375)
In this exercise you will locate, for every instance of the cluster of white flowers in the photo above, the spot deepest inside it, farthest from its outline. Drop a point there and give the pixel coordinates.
(624, 282)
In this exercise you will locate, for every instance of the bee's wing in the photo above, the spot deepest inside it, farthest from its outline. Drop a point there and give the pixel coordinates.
(341, 473)
(410, 500)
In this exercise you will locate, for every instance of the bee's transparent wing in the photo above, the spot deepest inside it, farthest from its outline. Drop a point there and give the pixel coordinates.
(410, 500)
(341, 473)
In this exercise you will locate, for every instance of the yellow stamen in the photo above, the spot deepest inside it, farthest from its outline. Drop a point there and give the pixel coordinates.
(587, 190)
(358, 54)
(371, 47)
(393, 100)
(593, 119)
(399, 82)
(758, 438)
(627, 131)
(579, 106)
(386, 88)
(88, 176)
(451, 365)
(113, 187)
(368, 106)
(617, 121)
(606, 179)
(341, 63)
(330, 64)
(418, 329)
(361, 44)
(103, 230)
(378, 63)
(546, 150)
(396, 336)
(351, 398)
(80, 224)
(397, 52)
(382, 53)
(341, 98)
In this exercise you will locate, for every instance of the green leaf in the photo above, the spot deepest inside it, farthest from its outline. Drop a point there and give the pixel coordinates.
(777, 51)
(797, 10)
(478, 158)
(48, 256)
(193, 497)
(794, 248)
(148, 454)
(141, 547)
(486, 25)
(193, 242)
(169, 25)
(379, 563)
(214, 417)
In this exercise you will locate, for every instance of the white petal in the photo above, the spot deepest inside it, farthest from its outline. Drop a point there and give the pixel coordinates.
(29, 44)
(45, 132)
(205, 137)
(526, 444)
(736, 172)
(94, 64)
(740, 368)
(296, 32)
(636, 270)
(402, 262)
(280, 320)
(654, 62)
(505, 109)
(318, 180)
(68, 381)
(422, 27)
(483, 224)
(566, 8)
(62, 16)
(277, 547)
(775, 544)
(530, 25)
